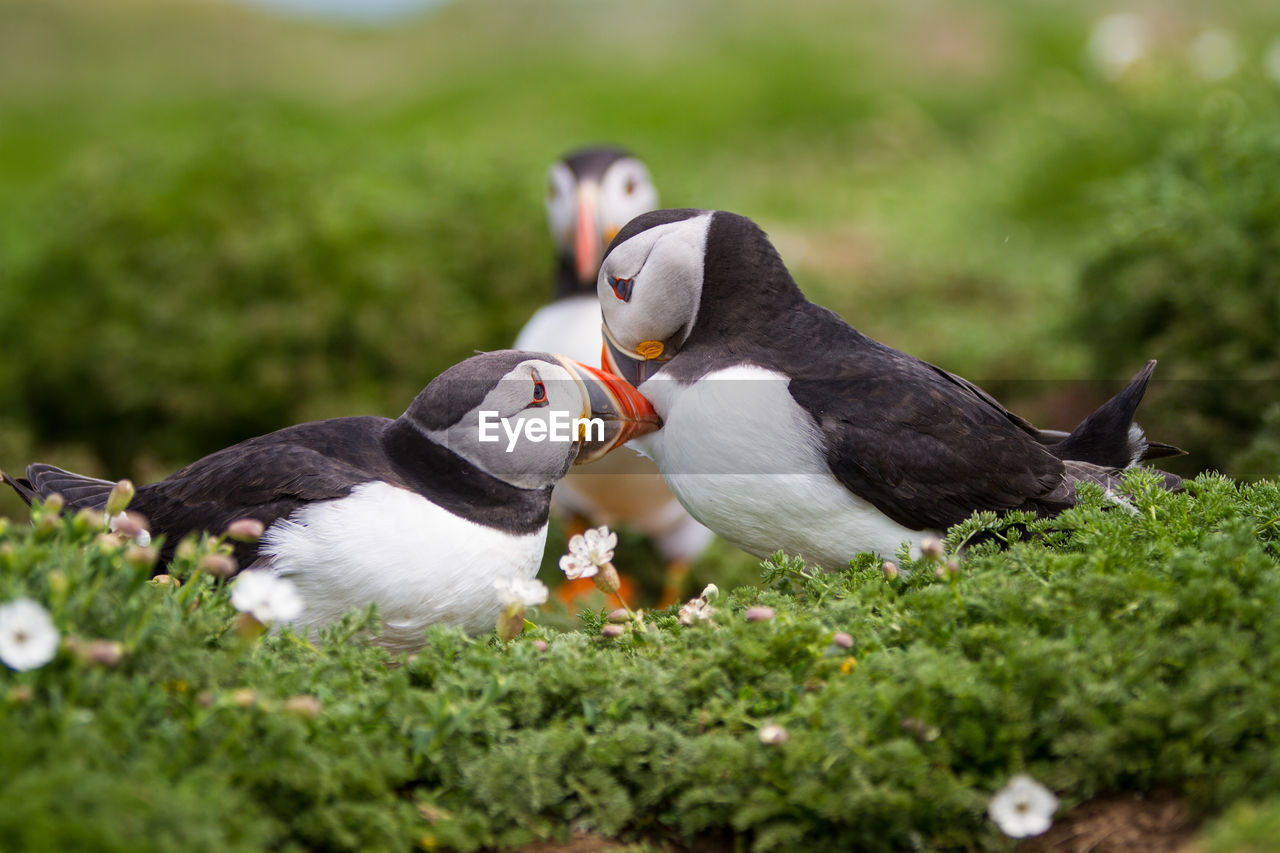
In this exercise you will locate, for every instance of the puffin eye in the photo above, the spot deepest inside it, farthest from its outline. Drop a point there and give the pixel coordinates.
(551, 190)
(622, 287)
(630, 187)
(539, 392)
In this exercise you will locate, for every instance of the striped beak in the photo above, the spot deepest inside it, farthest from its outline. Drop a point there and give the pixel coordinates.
(617, 412)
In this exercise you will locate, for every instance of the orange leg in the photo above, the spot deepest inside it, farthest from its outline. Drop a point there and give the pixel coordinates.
(673, 583)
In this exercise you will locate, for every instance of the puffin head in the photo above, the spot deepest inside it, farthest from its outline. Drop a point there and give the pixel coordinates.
(674, 278)
(591, 194)
(519, 415)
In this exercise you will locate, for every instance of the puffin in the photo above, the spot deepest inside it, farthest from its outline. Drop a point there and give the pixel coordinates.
(591, 193)
(419, 514)
(785, 428)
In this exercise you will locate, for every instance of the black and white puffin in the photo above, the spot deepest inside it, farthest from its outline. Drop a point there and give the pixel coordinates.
(420, 514)
(591, 194)
(846, 445)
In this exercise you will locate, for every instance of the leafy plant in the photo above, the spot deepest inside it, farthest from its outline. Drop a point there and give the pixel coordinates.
(1109, 649)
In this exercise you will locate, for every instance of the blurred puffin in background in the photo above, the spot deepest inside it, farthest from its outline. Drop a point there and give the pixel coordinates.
(591, 194)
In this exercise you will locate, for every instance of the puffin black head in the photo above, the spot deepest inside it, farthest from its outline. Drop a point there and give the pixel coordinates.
(524, 417)
(591, 194)
(673, 279)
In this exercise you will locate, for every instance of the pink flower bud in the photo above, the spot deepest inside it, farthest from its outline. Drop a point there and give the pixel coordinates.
(218, 565)
(141, 557)
(187, 549)
(88, 519)
(303, 706)
(759, 613)
(246, 530)
(611, 630)
(120, 497)
(99, 652)
(540, 645)
(165, 580)
(606, 580)
(130, 525)
(842, 640)
(510, 622)
(931, 548)
(889, 570)
(619, 616)
(953, 567)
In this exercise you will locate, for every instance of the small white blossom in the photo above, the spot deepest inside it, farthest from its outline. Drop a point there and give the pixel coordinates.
(1214, 55)
(1023, 807)
(694, 611)
(529, 592)
(574, 568)
(28, 638)
(1117, 42)
(774, 734)
(588, 552)
(266, 597)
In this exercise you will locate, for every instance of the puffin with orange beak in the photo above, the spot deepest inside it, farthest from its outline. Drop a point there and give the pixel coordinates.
(787, 429)
(591, 194)
(419, 514)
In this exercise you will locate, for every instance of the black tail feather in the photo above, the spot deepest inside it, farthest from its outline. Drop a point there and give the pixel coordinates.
(22, 486)
(1109, 437)
(77, 490)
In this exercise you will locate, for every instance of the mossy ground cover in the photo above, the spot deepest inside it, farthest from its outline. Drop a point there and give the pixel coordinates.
(1112, 649)
(214, 223)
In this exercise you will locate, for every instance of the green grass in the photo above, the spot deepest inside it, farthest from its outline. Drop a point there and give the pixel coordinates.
(214, 223)
(1104, 651)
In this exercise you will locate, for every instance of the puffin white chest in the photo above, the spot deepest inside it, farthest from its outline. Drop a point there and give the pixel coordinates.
(747, 461)
(388, 546)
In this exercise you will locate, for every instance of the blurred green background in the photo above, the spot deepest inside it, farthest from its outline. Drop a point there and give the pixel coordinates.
(216, 221)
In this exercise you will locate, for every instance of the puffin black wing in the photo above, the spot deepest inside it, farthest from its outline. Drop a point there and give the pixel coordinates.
(266, 478)
(924, 449)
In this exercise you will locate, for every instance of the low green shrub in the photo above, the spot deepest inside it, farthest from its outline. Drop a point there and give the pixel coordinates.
(176, 303)
(1111, 649)
(1189, 273)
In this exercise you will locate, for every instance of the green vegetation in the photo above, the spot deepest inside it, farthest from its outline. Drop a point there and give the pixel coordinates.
(1105, 650)
(1190, 274)
(214, 223)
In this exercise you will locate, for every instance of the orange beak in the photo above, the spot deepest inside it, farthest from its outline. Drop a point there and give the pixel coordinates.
(586, 241)
(623, 412)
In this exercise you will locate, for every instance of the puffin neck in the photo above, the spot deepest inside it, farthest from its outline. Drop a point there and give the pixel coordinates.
(461, 488)
(746, 290)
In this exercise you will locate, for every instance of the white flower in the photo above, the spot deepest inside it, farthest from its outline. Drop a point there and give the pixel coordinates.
(267, 597)
(524, 592)
(574, 568)
(1023, 808)
(1117, 42)
(695, 610)
(773, 734)
(1214, 55)
(588, 552)
(28, 639)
